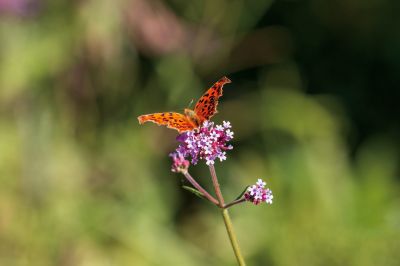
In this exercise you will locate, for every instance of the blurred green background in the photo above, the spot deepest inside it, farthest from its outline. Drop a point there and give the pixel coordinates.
(314, 105)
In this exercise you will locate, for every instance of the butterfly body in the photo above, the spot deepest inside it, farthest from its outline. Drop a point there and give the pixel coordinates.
(193, 118)
(204, 109)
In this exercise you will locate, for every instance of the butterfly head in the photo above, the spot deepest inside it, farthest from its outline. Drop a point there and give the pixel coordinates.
(193, 117)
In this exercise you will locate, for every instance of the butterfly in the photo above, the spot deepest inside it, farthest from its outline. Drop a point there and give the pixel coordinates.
(204, 109)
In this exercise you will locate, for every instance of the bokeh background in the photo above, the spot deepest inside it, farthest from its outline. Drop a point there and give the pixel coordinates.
(314, 105)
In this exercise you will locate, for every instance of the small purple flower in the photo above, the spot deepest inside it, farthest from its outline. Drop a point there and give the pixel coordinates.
(180, 164)
(227, 124)
(207, 143)
(258, 193)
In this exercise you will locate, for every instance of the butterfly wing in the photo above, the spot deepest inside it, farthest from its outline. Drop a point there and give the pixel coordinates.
(206, 107)
(170, 119)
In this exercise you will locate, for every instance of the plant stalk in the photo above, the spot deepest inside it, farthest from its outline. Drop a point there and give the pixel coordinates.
(232, 237)
(227, 219)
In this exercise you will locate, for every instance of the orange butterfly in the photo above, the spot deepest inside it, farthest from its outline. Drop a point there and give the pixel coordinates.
(205, 108)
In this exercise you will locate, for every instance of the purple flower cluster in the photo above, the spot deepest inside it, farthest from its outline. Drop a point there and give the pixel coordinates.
(257, 193)
(207, 143)
(180, 164)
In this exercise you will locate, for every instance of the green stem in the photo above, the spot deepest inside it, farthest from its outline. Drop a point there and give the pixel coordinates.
(227, 219)
(232, 237)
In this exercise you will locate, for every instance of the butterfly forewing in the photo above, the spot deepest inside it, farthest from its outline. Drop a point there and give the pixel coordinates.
(170, 119)
(206, 107)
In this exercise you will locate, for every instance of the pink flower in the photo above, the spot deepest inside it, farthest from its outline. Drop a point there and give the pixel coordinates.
(179, 164)
(258, 193)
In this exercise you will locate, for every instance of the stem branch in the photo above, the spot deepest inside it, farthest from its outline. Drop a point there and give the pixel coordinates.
(216, 186)
(230, 204)
(200, 188)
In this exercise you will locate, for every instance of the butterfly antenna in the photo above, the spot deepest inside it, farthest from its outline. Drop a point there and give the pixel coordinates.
(190, 104)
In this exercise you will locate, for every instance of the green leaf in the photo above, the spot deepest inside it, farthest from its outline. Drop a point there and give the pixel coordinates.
(194, 191)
